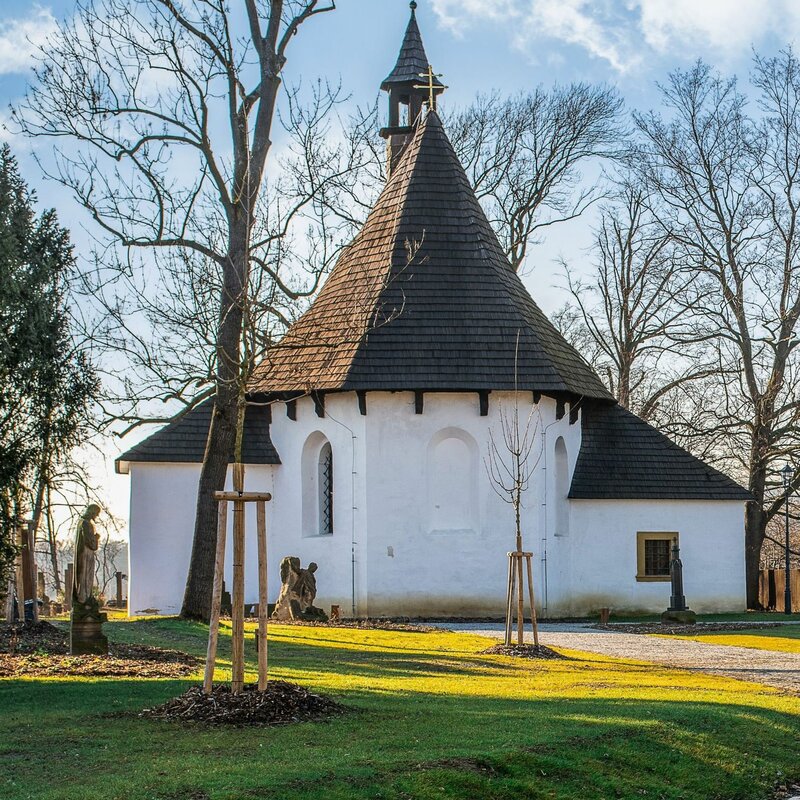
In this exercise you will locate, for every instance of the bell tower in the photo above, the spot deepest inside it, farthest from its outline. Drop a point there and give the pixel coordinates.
(411, 84)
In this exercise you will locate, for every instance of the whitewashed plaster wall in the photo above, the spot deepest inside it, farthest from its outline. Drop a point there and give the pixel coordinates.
(163, 503)
(417, 563)
(418, 529)
(338, 577)
(603, 564)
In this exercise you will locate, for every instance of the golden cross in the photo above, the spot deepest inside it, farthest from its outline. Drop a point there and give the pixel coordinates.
(431, 86)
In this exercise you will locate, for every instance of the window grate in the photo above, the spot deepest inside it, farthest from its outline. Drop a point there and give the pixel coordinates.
(656, 557)
(326, 489)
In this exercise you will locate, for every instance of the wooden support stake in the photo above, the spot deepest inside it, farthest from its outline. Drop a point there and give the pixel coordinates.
(261, 528)
(237, 600)
(216, 597)
(511, 604)
(245, 497)
(515, 596)
(9, 609)
(18, 581)
(534, 624)
(508, 600)
(520, 603)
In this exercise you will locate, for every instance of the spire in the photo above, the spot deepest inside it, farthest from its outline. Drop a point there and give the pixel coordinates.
(411, 84)
(412, 61)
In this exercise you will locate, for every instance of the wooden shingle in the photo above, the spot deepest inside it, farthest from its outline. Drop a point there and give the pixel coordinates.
(184, 440)
(412, 61)
(624, 458)
(425, 299)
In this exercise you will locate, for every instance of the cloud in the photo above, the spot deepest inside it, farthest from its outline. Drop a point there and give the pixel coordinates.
(623, 33)
(593, 25)
(597, 27)
(19, 39)
(458, 15)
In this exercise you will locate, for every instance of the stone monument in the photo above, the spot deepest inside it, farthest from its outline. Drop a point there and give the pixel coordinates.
(86, 621)
(677, 611)
(298, 592)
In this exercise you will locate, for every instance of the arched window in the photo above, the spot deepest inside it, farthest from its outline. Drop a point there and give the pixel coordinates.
(561, 488)
(317, 484)
(452, 481)
(325, 489)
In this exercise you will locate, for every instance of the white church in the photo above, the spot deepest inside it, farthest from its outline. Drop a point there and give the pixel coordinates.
(370, 424)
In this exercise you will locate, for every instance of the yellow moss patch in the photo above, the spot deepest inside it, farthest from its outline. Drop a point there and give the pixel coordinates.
(770, 639)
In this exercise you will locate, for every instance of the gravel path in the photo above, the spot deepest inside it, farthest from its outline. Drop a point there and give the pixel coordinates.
(769, 667)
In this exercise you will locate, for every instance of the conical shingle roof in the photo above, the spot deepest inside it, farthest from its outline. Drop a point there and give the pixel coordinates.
(411, 61)
(424, 298)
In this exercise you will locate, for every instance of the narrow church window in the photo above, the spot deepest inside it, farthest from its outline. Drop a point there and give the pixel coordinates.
(326, 489)
(316, 482)
(561, 488)
(653, 555)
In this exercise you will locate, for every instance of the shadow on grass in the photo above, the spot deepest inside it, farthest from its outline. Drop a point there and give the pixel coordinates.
(56, 741)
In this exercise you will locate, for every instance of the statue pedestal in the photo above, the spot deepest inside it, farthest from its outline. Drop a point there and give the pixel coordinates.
(86, 630)
(87, 639)
(682, 616)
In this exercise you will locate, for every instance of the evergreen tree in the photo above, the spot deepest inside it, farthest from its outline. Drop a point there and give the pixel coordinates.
(46, 384)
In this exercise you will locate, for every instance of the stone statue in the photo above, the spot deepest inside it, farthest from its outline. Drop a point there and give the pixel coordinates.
(306, 586)
(86, 621)
(298, 592)
(87, 541)
(677, 611)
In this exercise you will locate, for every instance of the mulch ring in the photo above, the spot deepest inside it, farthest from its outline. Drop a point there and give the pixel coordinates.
(42, 650)
(698, 628)
(522, 651)
(281, 704)
(365, 624)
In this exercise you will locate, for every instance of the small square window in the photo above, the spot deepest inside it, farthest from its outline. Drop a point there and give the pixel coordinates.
(653, 555)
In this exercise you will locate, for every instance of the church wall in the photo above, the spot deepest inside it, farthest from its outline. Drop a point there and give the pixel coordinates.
(294, 512)
(418, 564)
(163, 498)
(553, 543)
(163, 502)
(711, 536)
(413, 501)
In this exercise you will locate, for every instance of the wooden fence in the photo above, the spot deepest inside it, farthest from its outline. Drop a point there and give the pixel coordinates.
(771, 586)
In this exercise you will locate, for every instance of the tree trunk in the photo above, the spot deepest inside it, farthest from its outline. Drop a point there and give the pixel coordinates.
(222, 432)
(51, 539)
(754, 530)
(624, 381)
(756, 516)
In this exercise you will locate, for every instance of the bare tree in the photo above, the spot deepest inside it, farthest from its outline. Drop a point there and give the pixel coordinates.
(523, 155)
(630, 318)
(510, 463)
(167, 109)
(728, 176)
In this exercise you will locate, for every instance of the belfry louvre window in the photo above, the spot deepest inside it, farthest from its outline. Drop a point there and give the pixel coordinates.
(326, 489)
(653, 554)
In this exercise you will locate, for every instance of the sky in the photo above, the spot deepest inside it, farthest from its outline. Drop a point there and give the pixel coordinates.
(479, 46)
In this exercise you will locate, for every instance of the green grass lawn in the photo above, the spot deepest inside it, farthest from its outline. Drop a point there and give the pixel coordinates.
(431, 718)
(785, 639)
